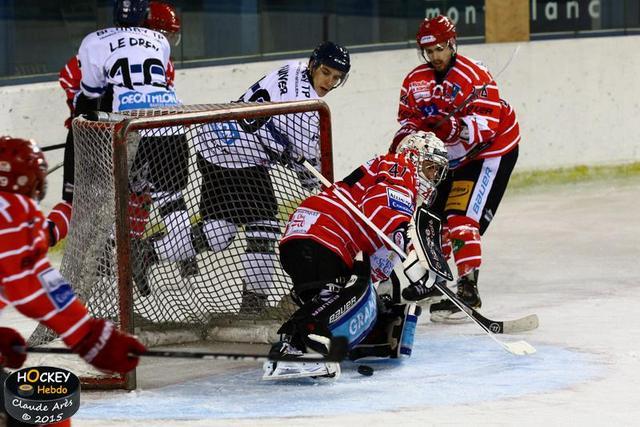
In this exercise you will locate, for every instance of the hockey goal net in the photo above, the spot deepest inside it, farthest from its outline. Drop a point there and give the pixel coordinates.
(177, 213)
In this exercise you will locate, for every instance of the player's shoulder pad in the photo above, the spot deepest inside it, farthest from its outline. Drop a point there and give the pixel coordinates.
(421, 71)
(479, 72)
(96, 36)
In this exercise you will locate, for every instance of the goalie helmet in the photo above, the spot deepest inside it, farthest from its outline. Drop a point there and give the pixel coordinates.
(332, 55)
(435, 31)
(129, 13)
(429, 156)
(23, 168)
(162, 17)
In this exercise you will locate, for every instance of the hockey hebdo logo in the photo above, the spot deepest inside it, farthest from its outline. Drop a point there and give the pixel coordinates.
(41, 395)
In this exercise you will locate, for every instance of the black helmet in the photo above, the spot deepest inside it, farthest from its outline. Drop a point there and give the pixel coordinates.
(332, 55)
(129, 13)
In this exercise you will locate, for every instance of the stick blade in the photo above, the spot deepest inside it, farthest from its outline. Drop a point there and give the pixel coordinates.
(519, 348)
(527, 323)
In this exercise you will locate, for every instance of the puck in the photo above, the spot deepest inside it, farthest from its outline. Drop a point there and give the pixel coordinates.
(365, 370)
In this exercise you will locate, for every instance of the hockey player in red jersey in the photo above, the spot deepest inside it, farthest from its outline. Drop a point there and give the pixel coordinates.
(29, 283)
(323, 238)
(160, 17)
(457, 98)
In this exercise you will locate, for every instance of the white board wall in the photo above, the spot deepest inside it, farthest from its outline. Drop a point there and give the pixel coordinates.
(576, 99)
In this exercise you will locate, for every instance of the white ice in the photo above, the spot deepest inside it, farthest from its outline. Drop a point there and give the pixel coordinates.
(570, 253)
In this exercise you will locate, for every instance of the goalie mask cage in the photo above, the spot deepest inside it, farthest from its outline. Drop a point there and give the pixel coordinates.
(130, 170)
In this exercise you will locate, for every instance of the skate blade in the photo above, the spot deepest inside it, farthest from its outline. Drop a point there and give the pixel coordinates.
(291, 370)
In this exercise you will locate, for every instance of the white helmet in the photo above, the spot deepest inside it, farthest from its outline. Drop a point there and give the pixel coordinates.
(429, 156)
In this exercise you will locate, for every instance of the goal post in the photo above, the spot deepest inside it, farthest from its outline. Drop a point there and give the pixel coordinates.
(177, 214)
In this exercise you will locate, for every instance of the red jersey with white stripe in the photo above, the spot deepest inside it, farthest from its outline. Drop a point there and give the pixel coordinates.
(490, 120)
(384, 189)
(69, 79)
(27, 279)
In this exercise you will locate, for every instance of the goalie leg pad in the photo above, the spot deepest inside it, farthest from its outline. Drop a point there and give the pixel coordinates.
(392, 336)
(335, 311)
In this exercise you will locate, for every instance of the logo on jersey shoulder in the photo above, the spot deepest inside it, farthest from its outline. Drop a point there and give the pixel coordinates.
(399, 201)
(133, 100)
(56, 287)
(226, 132)
(301, 221)
(429, 110)
(283, 75)
(454, 90)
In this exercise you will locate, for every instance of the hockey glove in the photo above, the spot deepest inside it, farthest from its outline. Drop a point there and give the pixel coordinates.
(414, 271)
(448, 131)
(109, 349)
(10, 342)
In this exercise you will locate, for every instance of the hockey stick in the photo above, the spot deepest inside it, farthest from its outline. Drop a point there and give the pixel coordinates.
(55, 168)
(431, 254)
(523, 324)
(337, 353)
(519, 348)
(53, 147)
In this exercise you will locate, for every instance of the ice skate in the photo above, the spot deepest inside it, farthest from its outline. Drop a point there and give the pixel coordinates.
(418, 292)
(447, 312)
(297, 367)
(253, 303)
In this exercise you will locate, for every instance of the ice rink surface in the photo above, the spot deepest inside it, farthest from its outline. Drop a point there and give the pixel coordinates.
(569, 253)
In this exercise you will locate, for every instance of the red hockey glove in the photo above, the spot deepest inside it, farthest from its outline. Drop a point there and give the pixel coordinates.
(109, 349)
(138, 210)
(9, 355)
(448, 131)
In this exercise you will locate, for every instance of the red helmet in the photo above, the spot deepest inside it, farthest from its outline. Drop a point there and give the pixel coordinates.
(23, 168)
(162, 17)
(435, 31)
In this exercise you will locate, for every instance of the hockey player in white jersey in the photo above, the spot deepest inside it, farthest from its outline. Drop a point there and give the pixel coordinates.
(125, 68)
(234, 159)
(125, 65)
